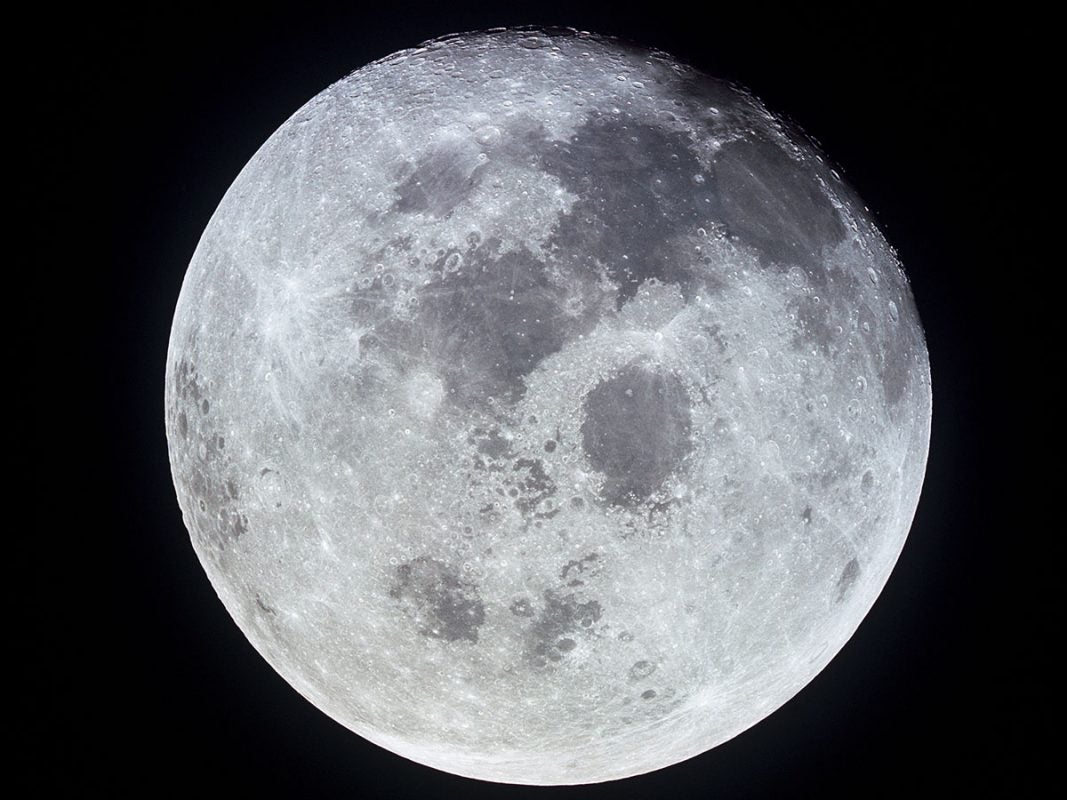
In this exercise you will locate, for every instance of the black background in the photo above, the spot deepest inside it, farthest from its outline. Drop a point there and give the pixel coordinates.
(134, 675)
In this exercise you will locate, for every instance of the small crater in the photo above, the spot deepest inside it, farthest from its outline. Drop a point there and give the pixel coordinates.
(867, 481)
(521, 608)
(806, 515)
(848, 578)
(489, 513)
(641, 670)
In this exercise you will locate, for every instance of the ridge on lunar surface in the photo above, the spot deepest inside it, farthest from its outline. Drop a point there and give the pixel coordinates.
(543, 410)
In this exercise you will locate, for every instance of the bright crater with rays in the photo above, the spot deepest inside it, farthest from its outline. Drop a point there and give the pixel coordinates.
(544, 410)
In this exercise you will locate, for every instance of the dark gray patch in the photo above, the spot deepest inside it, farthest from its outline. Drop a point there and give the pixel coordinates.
(197, 483)
(490, 513)
(208, 493)
(572, 569)
(659, 513)
(813, 324)
(490, 442)
(446, 606)
(648, 694)
(438, 183)
(635, 431)
(532, 484)
(848, 578)
(636, 191)
(641, 670)
(715, 334)
(806, 515)
(187, 382)
(867, 481)
(523, 141)
(894, 369)
(552, 635)
(490, 324)
(832, 466)
(775, 205)
(889, 348)
(697, 94)
(837, 465)
(266, 609)
(220, 521)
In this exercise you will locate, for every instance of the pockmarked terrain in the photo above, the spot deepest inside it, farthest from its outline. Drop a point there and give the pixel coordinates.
(544, 410)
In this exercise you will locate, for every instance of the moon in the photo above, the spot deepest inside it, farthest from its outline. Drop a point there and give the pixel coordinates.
(544, 410)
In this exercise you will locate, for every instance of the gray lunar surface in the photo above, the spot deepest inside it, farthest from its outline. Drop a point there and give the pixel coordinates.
(543, 410)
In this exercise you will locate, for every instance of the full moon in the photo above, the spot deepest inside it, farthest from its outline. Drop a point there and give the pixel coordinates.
(544, 410)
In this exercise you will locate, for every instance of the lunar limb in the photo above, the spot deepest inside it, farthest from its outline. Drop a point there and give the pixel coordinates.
(544, 410)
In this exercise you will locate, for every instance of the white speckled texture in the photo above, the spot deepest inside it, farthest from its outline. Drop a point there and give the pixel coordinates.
(545, 411)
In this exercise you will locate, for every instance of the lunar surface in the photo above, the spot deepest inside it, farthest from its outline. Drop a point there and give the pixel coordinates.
(544, 410)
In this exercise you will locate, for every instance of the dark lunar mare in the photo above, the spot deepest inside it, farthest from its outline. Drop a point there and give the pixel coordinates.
(450, 607)
(638, 187)
(490, 324)
(483, 316)
(635, 431)
(773, 204)
(642, 194)
(551, 636)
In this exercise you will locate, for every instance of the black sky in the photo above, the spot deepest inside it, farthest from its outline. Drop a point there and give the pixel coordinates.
(134, 677)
